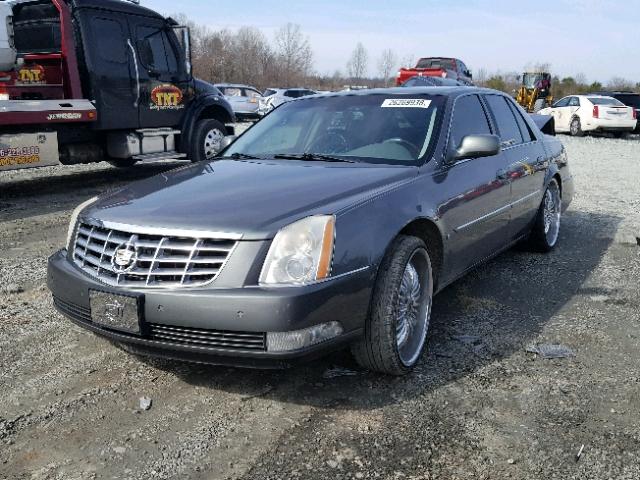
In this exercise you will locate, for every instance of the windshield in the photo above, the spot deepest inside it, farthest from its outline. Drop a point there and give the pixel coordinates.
(444, 63)
(606, 101)
(531, 79)
(377, 128)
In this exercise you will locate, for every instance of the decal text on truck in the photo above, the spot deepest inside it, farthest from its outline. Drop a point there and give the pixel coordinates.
(33, 74)
(166, 97)
(19, 156)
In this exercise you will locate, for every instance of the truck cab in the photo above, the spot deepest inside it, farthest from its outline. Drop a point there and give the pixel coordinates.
(127, 65)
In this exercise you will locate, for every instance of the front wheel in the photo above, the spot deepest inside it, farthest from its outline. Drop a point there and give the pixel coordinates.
(576, 128)
(396, 330)
(123, 163)
(207, 140)
(546, 229)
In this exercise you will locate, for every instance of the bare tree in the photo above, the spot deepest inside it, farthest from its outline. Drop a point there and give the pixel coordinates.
(386, 63)
(358, 63)
(408, 61)
(619, 83)
(294, 54)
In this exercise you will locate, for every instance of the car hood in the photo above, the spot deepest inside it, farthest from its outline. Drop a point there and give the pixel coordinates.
(251, 198)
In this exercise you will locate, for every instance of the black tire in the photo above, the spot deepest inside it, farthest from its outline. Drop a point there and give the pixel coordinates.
(539, 105)
(576, 128)
(199, 151)
(543, 238)
(123, 163)
(379, 349)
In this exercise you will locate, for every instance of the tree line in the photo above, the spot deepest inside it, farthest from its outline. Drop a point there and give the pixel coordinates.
(248, 56)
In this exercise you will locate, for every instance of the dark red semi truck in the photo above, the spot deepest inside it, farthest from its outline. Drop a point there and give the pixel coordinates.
(98, 80)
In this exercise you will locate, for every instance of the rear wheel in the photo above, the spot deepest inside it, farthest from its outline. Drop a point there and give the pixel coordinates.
(396, 330)
(546, 229)
(576, 128)
(207, 139)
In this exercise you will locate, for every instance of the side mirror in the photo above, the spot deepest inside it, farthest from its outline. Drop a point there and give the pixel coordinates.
(226, 141)
(477, 146)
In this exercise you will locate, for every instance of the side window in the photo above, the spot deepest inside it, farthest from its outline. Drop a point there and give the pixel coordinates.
(574, 102)
(527, 134)
(155, 51)
(562, 103)
(505, 121)
(468, 119)
(109, 32)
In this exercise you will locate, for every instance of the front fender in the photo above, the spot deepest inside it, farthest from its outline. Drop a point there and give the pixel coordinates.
(205, 106)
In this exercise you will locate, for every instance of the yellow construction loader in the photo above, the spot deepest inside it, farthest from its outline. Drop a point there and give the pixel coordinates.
(535, 92)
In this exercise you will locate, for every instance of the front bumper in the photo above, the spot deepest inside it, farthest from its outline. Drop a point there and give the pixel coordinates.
(210, 312)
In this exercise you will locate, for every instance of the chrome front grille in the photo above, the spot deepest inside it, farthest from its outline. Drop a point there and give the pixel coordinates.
(156, 260)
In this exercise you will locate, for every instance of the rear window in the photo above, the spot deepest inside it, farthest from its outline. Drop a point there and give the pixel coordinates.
(231, 91)
(606, 101)
(444, 63)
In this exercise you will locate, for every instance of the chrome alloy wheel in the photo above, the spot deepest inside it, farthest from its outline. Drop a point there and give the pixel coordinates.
(552, 212)
(575, 126)
(212, 143)
(414, 308)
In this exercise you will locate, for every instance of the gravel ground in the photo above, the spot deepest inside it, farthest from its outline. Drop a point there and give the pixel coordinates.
(478, 406)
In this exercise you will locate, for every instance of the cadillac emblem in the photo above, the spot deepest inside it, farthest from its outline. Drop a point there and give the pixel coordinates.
(125, 258)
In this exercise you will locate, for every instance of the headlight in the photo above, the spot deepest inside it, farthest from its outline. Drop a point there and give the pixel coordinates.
(74, 220)
(301, 253)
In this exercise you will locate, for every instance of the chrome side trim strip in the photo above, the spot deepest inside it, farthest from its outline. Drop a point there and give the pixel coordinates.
(168, 232)
(496, 212)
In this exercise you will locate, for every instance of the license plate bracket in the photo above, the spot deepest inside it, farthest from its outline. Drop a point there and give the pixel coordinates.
(117, 311)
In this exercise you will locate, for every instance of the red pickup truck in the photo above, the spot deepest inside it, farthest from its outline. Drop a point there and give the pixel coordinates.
(451, 68)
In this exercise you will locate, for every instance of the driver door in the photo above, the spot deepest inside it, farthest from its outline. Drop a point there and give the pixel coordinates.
(163, 78)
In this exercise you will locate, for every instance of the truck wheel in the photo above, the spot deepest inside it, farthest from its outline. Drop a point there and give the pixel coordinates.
(546, 228)
(207, 139)
(123, 163)
(396, 331)
(539, 105)
(576, 128)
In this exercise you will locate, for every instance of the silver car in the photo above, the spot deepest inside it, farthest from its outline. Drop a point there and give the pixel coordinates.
(274, 97)
(244, 99)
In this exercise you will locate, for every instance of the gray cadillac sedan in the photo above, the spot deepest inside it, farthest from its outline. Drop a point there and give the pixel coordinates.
(332, 222)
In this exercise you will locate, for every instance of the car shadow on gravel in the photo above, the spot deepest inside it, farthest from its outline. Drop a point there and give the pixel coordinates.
(20, 194)
(491, 314)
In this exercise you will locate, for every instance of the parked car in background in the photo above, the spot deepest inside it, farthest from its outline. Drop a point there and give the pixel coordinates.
(418, 81)
(244, 100)
(630, 99)
(451, 68)
(274, 97)
(580, 114)
(332, 222)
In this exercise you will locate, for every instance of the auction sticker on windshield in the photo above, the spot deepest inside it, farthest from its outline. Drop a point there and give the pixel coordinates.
(406, 103)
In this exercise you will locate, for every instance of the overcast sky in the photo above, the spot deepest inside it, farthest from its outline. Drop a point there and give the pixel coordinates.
(599, 38)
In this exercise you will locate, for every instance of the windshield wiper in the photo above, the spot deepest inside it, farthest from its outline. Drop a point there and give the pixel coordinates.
(238, 156)
(312, 157)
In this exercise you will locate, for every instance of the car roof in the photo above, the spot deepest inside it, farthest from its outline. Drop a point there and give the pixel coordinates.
(234, 85)
(449, 91)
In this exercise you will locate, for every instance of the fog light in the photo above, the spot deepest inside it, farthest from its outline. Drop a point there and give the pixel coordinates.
(288, 341)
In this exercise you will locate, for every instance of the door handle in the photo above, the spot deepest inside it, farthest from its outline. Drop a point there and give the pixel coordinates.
(135, 63)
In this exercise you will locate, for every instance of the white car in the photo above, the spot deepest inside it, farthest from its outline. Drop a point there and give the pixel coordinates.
(7, 48)
(274, 97)
(580, 114)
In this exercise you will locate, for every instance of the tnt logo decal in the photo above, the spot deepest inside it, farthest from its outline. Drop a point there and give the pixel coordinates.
(166, 97)
(32, 74)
